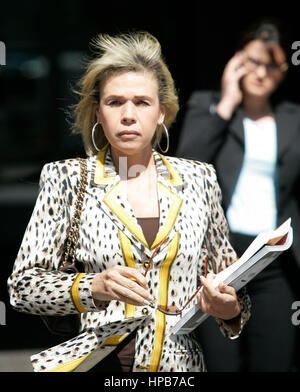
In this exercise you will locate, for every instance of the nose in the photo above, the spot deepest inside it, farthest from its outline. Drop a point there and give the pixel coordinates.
(261, 71)
(128, 114)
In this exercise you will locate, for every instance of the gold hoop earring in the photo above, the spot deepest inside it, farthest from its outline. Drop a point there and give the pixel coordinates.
(93, 136)
(167, 137)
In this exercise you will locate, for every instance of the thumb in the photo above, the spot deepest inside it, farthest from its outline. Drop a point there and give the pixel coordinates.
(224, 289)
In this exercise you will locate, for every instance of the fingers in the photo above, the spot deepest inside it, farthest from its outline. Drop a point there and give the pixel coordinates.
(208, 287)
(236, 61)
(211, 292)
(134, 274)
(240, 72)
(227, 290)
(235, 66)
(208, 294)
(221, 302)
(129, 286)
(121, 283)
(231, 90)
(131, 295)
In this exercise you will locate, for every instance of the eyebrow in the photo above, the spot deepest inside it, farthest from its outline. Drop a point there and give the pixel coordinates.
(143, 97)
(258, 59)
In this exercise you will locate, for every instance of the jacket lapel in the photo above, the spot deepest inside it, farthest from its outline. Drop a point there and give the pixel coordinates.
(170, 195)
(236, 127)
(113, 201)
(287, 125)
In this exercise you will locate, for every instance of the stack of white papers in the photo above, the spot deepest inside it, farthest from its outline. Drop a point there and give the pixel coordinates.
(265, 248)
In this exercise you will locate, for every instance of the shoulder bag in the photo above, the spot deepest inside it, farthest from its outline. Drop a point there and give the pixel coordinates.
(68, 325)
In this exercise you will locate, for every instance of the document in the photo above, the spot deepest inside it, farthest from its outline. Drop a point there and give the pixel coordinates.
(264, 249)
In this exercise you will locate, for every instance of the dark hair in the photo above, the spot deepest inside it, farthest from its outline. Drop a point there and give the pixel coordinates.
(274, 34)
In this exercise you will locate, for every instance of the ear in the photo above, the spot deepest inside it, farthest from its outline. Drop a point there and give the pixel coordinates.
(98, 116)
(161, 115)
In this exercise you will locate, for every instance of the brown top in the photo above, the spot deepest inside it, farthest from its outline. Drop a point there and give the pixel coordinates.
(120, 360)
(150, 228)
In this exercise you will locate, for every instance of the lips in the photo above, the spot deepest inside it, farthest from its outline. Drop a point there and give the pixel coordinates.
(128, 133)
(257, 83)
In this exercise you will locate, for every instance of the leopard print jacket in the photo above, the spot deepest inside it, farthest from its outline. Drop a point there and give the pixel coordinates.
(190, 211)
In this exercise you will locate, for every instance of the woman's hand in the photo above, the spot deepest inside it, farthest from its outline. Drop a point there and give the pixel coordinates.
(222, 304)
(123, 284)
(231, 95)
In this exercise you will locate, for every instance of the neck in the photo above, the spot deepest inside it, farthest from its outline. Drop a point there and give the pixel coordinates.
(256, 107)
(131, 166)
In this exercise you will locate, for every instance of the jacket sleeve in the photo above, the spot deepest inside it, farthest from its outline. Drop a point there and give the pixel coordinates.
(220, 254)
(203, 130)
(35, 286)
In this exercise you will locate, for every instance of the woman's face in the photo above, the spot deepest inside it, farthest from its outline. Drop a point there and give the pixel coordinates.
(129, 111)
(263, 75)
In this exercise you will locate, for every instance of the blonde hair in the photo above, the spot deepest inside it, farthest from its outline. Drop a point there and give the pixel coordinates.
(136, 52)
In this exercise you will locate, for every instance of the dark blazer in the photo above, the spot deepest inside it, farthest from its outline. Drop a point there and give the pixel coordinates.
(208, 137)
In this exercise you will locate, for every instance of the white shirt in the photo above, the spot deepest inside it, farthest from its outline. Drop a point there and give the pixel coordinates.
(253, 208)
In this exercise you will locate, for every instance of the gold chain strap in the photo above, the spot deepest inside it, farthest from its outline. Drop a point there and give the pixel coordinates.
(73, 236)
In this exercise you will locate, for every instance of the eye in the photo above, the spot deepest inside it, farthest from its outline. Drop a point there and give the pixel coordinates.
(115, 102)
(254, 61)
(142, 103)
(273, 66)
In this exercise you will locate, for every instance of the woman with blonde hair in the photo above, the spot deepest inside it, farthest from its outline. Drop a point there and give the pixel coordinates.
(148, 226)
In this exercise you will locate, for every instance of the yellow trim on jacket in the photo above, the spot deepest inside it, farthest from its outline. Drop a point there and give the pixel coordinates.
(75, 294)
(163, 300)
(130, 310)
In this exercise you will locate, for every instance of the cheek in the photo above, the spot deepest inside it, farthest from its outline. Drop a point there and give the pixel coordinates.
(158, 116)
(107, 124)
(103, 116)
(275, 82)
(270, 85)
(109, 121)
(152, 120)
(150, 125)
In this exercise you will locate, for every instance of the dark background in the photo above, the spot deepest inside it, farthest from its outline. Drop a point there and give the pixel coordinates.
(45, 44)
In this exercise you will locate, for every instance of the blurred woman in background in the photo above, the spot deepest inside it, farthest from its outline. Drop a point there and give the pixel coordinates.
(254, 143)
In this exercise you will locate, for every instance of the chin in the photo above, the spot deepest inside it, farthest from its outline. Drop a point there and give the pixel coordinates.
(256, 91)
(130, 148)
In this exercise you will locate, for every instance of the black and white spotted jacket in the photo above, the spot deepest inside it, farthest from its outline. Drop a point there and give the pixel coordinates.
(190, 210)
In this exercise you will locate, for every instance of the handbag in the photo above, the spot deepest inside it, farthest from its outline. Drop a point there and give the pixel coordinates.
(68, 325)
